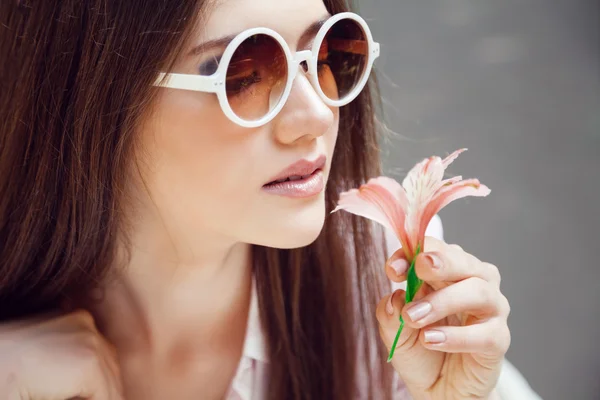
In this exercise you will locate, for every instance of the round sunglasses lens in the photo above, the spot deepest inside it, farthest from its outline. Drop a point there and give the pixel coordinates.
(342, 59)
(256, 77)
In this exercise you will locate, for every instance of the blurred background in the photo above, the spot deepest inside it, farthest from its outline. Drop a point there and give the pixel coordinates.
(518, 83)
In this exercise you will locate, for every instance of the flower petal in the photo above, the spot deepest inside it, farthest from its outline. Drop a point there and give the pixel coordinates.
(393, 187)
(421, 183)
(451, 181)
(423, 179)
(355, 203)
(446, 195)
(382, 200)
(448, 160)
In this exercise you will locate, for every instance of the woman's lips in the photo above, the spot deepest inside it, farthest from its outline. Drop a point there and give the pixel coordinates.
(306, 186)
(301, 168)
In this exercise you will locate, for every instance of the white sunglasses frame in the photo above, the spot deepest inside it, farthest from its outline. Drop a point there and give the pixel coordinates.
(215, 83)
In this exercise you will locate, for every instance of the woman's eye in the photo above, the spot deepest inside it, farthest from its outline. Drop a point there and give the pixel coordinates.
(240, 84)
(242, 74)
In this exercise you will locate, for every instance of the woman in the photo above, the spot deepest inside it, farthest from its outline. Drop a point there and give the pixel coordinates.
(143, 230)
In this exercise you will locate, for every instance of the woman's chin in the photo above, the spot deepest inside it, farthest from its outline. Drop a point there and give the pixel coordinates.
(299, 239)
(291, 233)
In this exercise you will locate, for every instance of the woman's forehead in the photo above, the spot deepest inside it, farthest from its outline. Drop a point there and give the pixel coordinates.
(288, 17)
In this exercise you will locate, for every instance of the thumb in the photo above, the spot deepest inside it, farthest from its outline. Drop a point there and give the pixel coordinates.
(388, 315)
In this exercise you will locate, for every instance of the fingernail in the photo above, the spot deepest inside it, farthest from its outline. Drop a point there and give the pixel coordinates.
(435, 337)
(419, 310)
(389, 308)
(400, 266)
(434, 260)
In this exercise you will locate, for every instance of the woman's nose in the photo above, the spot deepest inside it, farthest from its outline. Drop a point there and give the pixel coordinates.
(304, 116)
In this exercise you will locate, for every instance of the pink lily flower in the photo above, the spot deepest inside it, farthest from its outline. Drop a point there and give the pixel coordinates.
(407, 209)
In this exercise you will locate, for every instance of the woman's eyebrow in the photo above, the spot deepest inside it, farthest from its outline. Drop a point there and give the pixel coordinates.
(310, 31)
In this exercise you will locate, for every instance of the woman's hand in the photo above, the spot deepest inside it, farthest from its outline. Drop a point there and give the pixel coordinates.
(455, 333)
(59, 358)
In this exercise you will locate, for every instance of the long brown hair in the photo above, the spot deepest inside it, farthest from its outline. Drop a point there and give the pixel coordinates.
(75, 81)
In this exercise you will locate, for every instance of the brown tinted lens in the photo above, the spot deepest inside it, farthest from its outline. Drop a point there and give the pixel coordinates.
(342, 58)
(256, 77)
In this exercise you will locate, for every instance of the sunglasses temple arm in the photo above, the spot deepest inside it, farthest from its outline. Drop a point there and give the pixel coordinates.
(197, 83)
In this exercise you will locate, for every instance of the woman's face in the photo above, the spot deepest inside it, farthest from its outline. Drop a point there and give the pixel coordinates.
(205, 175)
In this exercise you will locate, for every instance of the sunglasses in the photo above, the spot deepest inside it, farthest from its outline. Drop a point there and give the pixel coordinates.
(255, 74)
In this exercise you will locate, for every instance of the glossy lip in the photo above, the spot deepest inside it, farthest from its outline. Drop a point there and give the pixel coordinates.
(302, 167)
(306, 187)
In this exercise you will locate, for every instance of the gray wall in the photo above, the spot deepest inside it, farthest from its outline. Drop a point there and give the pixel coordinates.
(518, 83)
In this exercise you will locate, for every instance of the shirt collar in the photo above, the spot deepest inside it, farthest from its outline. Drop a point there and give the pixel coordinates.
(255, 343)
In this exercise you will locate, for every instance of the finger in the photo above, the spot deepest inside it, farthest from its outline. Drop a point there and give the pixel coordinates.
(443, 263)
(408, 353)
(388, 314)
(491, 338)
(396, 266)
(473, 296)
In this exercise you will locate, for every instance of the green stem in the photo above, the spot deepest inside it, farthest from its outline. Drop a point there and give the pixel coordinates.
(396, 339)
(413, 284)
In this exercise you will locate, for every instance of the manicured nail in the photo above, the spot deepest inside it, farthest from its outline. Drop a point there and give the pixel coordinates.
(400, 266)
(434, 260)
(418, 310)
(389, 308)
(435, 336)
